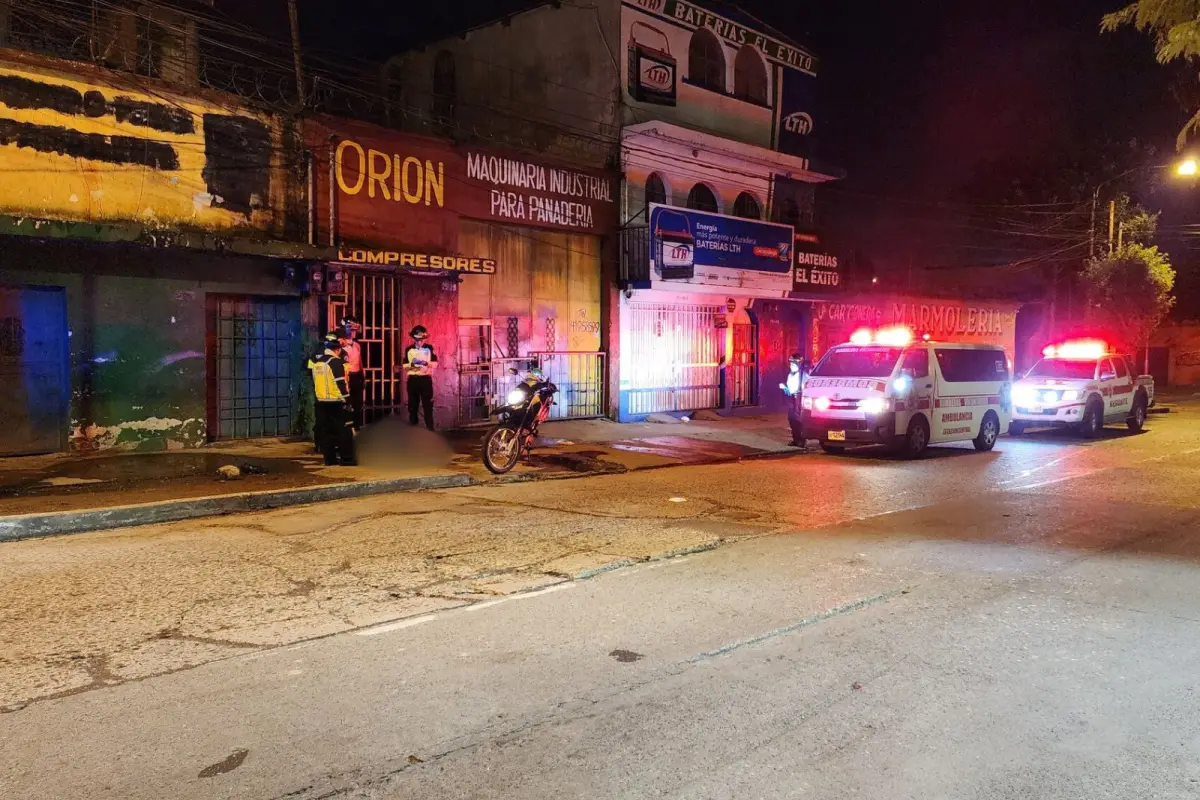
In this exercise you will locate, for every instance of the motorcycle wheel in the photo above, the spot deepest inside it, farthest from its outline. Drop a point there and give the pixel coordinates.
(501, 449)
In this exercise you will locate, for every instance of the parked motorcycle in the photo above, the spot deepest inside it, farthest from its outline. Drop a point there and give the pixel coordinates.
(526, 407)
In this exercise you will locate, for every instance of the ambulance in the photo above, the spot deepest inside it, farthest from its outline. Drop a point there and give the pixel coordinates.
(884, 387)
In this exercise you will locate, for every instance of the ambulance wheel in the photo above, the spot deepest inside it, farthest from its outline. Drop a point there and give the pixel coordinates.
(1093, 419)
(988, 432)
(917, 438)
(1137, 417)
(833, 449)
(1016, 428)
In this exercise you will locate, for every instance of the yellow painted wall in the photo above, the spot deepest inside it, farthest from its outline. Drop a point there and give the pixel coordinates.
(57, 186)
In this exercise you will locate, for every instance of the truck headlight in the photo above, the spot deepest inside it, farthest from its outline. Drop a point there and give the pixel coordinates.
(516, 397)
(1024, 395)
(872, 405)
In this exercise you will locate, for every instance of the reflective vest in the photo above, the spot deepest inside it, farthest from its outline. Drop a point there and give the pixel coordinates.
(325, 383)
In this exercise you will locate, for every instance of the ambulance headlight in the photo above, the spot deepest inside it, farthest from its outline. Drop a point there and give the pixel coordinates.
(872, 405)
(806, 403)
(821, 403)
(1024, 395)
(1070, 394)
(516, 397)
(1050, 397)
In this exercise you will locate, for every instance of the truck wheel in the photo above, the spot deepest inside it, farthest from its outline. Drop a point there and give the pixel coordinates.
(1093, 419)
(988, 432)
(1016, 428)
(833, 449)
(917, 438)
(1137, 417)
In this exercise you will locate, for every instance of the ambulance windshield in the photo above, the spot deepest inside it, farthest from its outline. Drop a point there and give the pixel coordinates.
(848, 361)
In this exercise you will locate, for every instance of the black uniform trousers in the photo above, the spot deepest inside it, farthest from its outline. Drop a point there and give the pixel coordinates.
(794, 419)
(420, 396)
(333, 433)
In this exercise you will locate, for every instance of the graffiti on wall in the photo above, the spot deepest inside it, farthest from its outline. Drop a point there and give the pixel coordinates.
(83, 151)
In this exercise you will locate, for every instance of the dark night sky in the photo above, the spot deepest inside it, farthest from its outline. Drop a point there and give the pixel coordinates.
(915, 96)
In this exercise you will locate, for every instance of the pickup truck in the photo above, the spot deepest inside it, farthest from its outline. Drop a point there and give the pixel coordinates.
(1082, 388)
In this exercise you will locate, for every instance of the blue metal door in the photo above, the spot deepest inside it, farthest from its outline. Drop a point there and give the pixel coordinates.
(33, 370)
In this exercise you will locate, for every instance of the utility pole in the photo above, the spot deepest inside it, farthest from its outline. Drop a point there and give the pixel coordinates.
(294, 19)
(1112, 216)
(1120, 236)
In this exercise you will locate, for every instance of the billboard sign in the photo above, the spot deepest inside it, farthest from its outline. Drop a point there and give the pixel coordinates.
(700, 250)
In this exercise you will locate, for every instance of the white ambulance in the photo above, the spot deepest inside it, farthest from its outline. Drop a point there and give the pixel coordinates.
(884, 388)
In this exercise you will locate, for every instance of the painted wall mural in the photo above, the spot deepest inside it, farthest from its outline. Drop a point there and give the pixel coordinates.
(77, 148)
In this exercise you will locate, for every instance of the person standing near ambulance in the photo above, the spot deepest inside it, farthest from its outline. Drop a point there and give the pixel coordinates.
(419, 363)
(332, 429)
(798, 369)
(352, 353)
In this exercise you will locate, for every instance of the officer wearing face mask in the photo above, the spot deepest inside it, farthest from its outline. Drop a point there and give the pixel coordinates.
(798, 369)
(420, 360)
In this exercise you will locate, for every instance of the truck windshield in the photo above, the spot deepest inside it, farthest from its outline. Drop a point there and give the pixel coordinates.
(858, 362)
(1063, 369)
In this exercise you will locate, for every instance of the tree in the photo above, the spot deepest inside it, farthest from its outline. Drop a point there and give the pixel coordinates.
(1175, 27)
(1129, 293)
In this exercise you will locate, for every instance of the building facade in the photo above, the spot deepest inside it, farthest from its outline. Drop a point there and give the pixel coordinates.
(142, 302)
(496, 253)
(711, 118)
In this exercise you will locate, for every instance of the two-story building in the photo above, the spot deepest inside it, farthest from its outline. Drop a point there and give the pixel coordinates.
(711, 117)
(143, 304)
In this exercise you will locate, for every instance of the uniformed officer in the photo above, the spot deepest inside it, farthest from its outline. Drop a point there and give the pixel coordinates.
(419, 363)
(798, 369)
(333, 425)
(352, 353)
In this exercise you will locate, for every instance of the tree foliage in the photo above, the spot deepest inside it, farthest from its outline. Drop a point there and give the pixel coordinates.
(1174, 25)
(1130, 292)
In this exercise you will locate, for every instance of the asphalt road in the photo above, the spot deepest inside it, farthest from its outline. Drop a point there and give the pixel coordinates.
(1016, 624)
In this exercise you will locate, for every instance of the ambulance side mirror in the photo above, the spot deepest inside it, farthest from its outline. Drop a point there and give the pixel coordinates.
(1107, 375)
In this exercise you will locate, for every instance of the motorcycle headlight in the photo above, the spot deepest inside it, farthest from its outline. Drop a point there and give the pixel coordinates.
(516, 397)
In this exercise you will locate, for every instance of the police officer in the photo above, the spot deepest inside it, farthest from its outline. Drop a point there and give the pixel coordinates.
(798, 369)
(419, 362)
(352, 353)
(333, 425)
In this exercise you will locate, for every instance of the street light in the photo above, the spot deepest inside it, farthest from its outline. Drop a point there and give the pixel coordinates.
(1188, 168)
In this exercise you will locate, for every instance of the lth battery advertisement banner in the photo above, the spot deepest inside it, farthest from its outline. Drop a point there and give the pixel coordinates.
(702, 250)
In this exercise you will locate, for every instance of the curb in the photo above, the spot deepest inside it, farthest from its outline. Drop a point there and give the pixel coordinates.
(58, 523)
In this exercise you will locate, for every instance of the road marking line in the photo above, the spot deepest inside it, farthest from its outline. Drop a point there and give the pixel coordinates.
(799, 624)
(395, 626)
(558, 587)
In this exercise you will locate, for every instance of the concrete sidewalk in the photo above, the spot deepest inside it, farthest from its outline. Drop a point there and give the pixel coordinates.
(49, 495)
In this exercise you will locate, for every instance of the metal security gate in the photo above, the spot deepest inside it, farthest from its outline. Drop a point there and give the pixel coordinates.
(375, 300)
(674, 358)
(743, 367)
(254, 366)
(476, 387)
(580, 378)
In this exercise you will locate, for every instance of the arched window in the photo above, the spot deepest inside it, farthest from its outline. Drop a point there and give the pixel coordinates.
(445, 88)
(702, 198)
(750, 75)
(706, 61)
(746, 206)
(656, 190)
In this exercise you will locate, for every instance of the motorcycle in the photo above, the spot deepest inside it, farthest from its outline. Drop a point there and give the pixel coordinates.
(526, 407)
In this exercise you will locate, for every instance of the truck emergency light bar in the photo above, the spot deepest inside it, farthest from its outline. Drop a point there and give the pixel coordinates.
(1078, 350)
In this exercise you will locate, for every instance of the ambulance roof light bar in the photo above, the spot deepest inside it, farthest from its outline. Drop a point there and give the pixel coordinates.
(1078, 350)
(897, 336)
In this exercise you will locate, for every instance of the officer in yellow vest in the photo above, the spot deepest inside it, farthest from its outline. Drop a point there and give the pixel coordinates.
(332, 428)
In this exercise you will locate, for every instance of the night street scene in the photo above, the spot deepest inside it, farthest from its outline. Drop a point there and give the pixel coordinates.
(599, 399)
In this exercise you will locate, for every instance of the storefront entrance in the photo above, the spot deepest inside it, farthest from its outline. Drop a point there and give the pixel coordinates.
(375, 299)
(33, 368)
(673, 358)
(254, 366)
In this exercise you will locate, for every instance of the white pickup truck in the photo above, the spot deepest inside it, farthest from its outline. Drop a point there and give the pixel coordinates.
(1082, 386)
